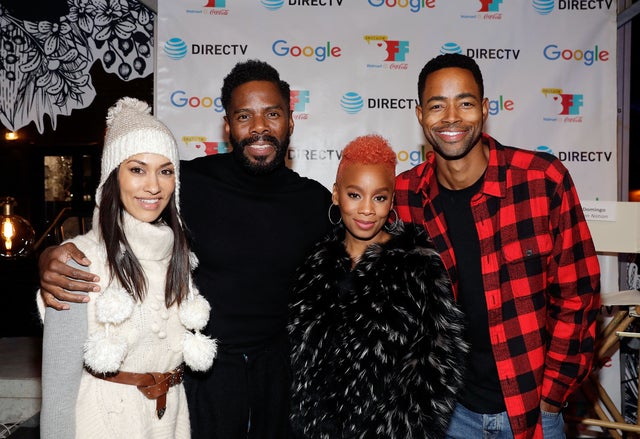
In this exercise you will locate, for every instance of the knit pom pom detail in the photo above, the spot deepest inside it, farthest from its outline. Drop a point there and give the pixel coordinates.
(104, 353)
(193, 260)
(127, 104)
(114, 306)
(198, 351)
(194, 313)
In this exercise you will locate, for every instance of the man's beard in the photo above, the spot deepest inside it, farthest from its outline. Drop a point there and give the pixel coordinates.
(260, 165)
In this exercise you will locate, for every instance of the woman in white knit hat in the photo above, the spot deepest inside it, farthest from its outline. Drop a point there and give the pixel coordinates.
(112, 367)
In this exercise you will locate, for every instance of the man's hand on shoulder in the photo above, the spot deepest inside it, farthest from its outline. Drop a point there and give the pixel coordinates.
(57, 278)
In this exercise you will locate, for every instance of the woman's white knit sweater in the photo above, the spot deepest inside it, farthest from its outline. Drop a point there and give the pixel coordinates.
(154, 335)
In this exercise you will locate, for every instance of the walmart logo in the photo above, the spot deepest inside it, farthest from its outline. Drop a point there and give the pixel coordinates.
(450, 48)
(272, 5)
(543, 7)
(351, 102)
(175, 48)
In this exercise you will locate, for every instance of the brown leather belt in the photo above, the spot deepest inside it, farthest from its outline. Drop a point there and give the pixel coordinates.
(153, 385)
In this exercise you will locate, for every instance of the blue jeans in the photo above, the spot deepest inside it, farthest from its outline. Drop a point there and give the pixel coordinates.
(466, 424)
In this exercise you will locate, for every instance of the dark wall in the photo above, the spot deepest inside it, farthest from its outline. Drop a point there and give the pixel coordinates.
(79, 135)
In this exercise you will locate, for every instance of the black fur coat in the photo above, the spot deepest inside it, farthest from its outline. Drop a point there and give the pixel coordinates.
(377, 351)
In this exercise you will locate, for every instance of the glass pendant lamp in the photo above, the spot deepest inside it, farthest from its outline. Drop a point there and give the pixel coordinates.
(16, 234)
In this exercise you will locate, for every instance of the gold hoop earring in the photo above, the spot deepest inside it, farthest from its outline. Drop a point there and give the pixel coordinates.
(339, 220)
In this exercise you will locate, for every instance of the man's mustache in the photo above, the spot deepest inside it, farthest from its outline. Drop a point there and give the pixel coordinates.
(259, 138)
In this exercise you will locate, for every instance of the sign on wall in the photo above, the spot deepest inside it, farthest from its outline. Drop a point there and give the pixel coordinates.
(549, 70)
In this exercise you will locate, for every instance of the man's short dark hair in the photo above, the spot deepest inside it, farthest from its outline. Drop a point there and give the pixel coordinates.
(252, 70)
(450, 60)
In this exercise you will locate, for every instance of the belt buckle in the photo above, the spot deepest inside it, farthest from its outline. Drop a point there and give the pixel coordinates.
(176, 376)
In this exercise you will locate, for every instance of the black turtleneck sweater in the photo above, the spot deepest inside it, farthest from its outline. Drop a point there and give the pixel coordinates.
(250, 233)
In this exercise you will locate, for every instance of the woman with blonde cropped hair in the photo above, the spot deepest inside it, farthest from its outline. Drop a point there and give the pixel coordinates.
(376, 335)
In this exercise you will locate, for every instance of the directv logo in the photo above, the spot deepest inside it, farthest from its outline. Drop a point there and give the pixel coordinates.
(175, 48)
(272, 5)
(351, 102)
(450, 48)
(543, 7)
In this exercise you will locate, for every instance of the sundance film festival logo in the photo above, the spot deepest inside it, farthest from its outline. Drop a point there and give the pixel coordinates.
(216, 4)
(395, 52)
(211, 7)
(570, 105)
(489, 10)
(198, 146)
(299, 101)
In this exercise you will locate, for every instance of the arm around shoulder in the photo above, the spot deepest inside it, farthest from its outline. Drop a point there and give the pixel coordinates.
(58, 278)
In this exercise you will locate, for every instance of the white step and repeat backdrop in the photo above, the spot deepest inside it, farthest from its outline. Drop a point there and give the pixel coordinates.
(549, 68)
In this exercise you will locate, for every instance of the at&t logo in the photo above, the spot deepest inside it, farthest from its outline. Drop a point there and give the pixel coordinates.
(450, 47)
(351, 102)
(543, 7)
(272, 5)
(175, 48)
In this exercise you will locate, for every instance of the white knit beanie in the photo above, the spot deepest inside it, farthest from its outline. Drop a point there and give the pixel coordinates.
(131, 130)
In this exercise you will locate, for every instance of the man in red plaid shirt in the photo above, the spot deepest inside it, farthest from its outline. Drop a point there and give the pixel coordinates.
(510, 229)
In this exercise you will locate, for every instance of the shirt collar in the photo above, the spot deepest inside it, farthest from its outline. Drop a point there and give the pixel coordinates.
(494, 179)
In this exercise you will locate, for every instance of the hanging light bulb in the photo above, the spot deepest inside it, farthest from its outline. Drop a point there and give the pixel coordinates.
(16, 234)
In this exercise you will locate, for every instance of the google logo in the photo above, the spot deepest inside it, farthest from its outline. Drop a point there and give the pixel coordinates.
(588, 56)
(413, 5)
(281, 48)
(180, 99)
(413, 157)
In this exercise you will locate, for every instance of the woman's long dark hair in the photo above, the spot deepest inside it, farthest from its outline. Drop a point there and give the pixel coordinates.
(124, 265)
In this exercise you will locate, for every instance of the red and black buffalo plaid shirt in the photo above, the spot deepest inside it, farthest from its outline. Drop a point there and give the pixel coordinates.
(539, 269)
